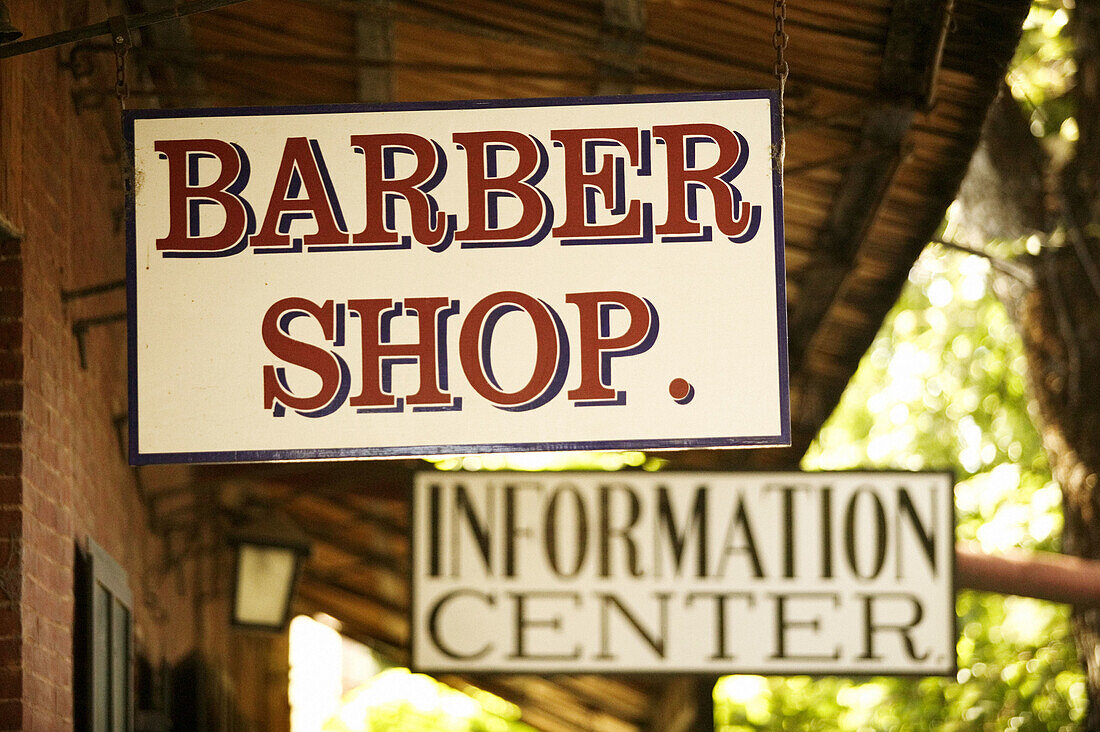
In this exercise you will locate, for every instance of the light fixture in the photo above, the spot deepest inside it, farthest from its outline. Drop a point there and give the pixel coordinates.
(268, 554)
(8, 32)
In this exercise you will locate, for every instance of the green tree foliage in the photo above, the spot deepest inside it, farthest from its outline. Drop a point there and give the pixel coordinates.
(398, 700)
(943, 387)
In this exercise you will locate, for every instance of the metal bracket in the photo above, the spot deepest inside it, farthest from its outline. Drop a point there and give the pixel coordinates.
(83, 325)
(121, 39)
(90, 290)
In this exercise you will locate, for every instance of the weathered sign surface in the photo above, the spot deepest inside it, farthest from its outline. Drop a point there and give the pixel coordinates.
(451, 278)
(808, 573)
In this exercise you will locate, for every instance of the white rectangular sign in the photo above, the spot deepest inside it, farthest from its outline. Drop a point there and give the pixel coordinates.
(448, 278)
(777, 573)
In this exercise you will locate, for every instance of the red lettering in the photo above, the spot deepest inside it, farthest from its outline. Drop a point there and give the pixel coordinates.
(378, 150)
(732, 215)
(581, 173)
(598, 346)
(325, 364)
(485, 185)
(301, 155)
(377, 350)
(474, 345)
(186, 195)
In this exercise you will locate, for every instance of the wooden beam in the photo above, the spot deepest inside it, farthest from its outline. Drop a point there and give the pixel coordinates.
(375, 620)
(914, 50)
(621, 39)
(857, 202)
(546, 705)
(914, 44)
(175, 85)
(374, 45)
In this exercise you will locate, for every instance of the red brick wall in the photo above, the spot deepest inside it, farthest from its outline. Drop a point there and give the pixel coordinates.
(62, 473)
(11, 514)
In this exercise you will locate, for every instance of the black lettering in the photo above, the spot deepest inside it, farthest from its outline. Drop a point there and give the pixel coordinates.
(870, 627)
(850, 523)
(512, 529)
(740, 519)
(827, 532)
(783, 624)
(656, 641)
(433, 624)
(666, 525)
(524, 621)
(927, 537)
(465, 507)
(607, 531)
(720, 652)
(551, 532)
(435, 555)
(788, 527)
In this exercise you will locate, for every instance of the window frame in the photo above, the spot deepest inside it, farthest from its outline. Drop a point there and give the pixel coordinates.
(105, 676)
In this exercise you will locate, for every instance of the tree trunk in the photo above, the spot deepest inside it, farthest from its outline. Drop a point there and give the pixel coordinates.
(1060, 323)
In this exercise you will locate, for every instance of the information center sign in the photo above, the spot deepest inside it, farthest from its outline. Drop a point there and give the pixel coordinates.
(774, 573)
(447, 278)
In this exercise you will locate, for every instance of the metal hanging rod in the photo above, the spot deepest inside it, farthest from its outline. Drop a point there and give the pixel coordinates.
(194, 57)
(137, 20)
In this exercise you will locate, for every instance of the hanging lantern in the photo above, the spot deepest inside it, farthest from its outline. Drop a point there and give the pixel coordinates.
(268, 556)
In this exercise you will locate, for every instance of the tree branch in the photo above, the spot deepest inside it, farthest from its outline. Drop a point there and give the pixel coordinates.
(1018, 272)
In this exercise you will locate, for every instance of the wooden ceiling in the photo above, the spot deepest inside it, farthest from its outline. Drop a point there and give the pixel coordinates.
(884, 104)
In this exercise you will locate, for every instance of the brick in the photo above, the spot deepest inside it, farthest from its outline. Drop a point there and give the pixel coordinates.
(10, 248)
(36, 688)
(11, 273)
(11, 334)
(11, 715)
(11, 490)
(11, 396)
(11, 428)
(11, 523)
(11, 651)
(11, 302)
(11, 625)
(11, 364)
(11, 460)
(11, 682)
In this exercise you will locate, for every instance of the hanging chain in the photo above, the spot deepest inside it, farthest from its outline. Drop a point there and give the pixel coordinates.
(122, 89)
(782, 70)
(122, 43)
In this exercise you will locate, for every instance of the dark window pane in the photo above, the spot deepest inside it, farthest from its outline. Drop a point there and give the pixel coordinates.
(120, 667)
(101, 654)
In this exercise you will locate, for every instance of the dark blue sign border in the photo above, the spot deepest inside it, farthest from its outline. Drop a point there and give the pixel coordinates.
(780, 440)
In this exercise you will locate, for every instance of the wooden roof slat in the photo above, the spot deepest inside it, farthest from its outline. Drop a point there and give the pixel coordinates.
(548, 703)
(385, 624)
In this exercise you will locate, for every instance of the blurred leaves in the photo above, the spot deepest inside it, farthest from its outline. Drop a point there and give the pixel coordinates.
(398, 700)
(942, 387)
(1043, 69)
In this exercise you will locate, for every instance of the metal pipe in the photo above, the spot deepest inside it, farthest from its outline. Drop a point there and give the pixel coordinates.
(1042, 575)
(137, 20)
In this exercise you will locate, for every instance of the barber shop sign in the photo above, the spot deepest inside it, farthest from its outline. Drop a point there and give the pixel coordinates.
(405, 280)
